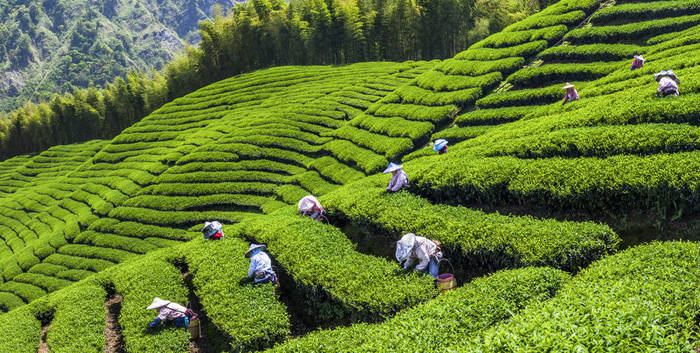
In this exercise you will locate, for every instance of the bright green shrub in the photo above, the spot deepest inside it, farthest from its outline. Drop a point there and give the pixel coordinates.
(138, 287)
(173, 218)
(130, 244)
(79, 320)
(478, 68)
(365, 159)
(508, 39)
(534, 22)
(138, 230)
(437, 81)
(523, 97)
(251, 316)
(20, 331)
(644, 298)
(9, 301)
(339, 173)
(537, 76)
(477, 238)
(25, 291)
(181, 203)
(245, 187)
(94, 252)
(291, 193)
(645, 11)
(336, 281)
(74, 275)
(492, 116)
(413, 112)
(80, 263)
(390, 147)
(600, 141)
(524, 50)
(456, 134)
(10, 267)
(663, 182)
(47, 269)
(415, 95)
(48, 283)
(452, 317)
(313, 182)
(631, 31)
(592, 52)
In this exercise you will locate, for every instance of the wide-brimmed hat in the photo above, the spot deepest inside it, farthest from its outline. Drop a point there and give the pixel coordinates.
(253, 247)
(392, 167)
(158, 303)
(211, 228)
(404, 246)
(567, 86)
(439, 144)
(663, 73)
(640, 58)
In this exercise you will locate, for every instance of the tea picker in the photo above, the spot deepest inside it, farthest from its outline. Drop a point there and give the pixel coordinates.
(399, 179)
(171, 312)
(570, 95)
(260, 269)
(668, 83)
(638, 62)
(412, 248)
(309, 206)
(212, 230)
(440, 146)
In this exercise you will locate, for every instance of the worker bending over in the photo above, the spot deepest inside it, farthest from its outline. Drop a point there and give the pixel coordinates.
(638, 62)
(309, 206)
(440, 146)
(399, 179)
(212, 230)
(260, 268)
(171, 312)
(668, 83)
(412, 248)
(570, 95)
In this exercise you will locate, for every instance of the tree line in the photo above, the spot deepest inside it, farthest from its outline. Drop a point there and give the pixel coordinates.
(257, 34)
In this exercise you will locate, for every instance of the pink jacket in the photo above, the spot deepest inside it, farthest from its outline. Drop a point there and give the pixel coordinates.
(171, 311)
(423, 250)
(667, 82)
(398, 181)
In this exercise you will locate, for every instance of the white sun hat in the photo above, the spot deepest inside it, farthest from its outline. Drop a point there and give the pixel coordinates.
(567, 86)
(392, 167)
(663, 73)
(253, 247)
(211, 228)
(439, 144)
(640, 58)
(405, 246)
(158, 303)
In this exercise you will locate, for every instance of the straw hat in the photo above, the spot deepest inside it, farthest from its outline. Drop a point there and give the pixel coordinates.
(663, 73)
(567, 86)
(404, 246)
(439, 144)
(253, 247)
(157, 303)
(640, 58)
(392, 167)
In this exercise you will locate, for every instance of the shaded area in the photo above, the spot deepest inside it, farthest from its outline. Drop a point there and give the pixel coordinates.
(114, 343)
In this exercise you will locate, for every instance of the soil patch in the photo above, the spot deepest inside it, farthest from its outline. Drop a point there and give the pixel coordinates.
(43, 347)
(114, 343)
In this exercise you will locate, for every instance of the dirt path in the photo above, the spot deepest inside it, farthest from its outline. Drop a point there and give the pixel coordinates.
(43, 347)
(198, 345)
(113, 336)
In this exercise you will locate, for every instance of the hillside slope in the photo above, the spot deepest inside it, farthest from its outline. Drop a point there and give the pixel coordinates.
(49, 46)
(532, 198)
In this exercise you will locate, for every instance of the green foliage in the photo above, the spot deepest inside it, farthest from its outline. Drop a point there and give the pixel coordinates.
(477, 68)
(644, 297)
(329, 272)
(645, 11)
(492, 116)
(451, 317)
(529, 97)
(479, 239)
(79, 320)
(538, 76)
(631, 31)
(138, 287)
(19, 331)
(250, 315)
(662, 182)
(592, 52)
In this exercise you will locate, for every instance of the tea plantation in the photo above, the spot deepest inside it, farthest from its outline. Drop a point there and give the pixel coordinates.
(569, 227)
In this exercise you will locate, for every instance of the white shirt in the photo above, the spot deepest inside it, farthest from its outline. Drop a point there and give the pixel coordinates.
(259, 262)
